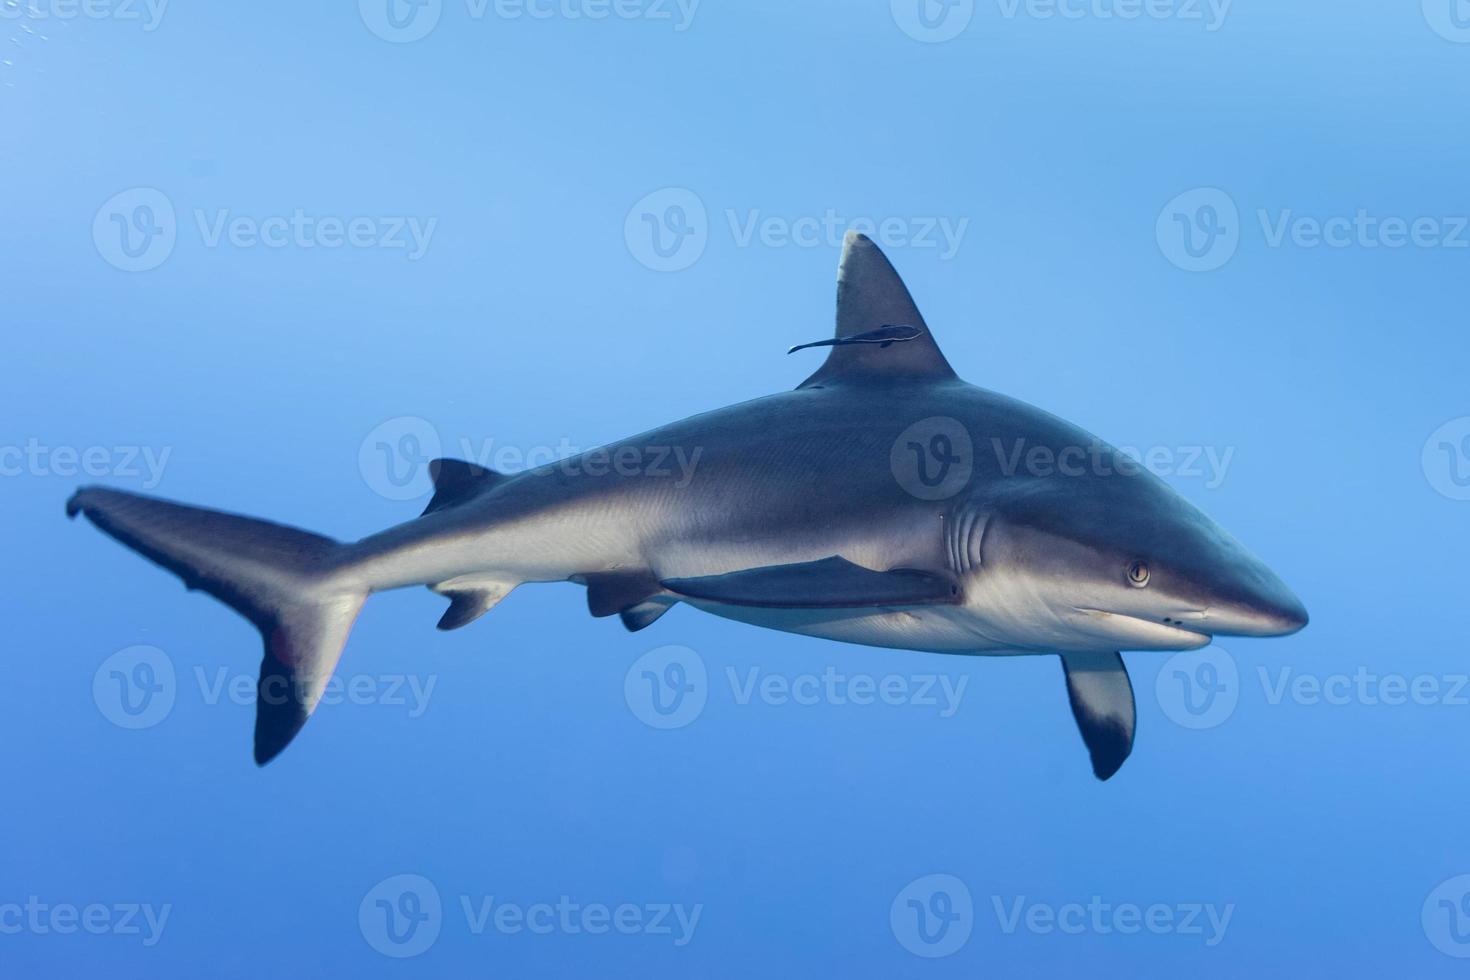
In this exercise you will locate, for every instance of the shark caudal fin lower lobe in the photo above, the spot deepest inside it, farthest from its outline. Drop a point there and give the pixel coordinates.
(277, 577)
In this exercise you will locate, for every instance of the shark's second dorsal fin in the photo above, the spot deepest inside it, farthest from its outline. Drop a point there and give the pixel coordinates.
(456, 481)
(871, 296)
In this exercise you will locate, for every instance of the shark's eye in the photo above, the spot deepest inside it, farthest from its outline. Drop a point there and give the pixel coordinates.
(1138, 574)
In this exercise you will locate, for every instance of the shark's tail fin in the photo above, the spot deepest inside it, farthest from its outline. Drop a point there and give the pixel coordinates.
(279, 578)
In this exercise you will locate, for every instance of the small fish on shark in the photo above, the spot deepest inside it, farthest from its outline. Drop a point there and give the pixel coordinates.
(802, 516)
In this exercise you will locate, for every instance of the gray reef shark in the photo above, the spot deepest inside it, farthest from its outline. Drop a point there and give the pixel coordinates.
(883, 502)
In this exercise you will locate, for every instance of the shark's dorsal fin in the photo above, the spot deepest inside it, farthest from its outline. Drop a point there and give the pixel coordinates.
(456, 481)
(871, 296)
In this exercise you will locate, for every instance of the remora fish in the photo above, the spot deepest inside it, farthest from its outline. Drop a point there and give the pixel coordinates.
(855, 508)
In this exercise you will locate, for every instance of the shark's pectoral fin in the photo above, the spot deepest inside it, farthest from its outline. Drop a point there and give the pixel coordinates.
(456, 481)
(831, 583)
(1102, 702)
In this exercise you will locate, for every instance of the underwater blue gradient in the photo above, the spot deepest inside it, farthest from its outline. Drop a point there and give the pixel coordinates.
(532, 322)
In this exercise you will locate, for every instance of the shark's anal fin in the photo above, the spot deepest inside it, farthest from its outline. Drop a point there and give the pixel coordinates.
(612, 592)
(456, 481)
(831, 583)
(1102, 702)
(645, 614)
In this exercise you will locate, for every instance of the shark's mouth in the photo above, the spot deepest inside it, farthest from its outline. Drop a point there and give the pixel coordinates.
(1138, 633)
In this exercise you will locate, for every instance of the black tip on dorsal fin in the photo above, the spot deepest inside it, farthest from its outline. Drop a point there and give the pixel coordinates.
(456, 481)
(870, 297)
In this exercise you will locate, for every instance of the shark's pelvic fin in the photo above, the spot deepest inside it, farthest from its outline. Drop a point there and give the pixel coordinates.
(1102, 702)
(279, 578)
(831, 583)
(470, 597)
(870, 295)
(456, 481)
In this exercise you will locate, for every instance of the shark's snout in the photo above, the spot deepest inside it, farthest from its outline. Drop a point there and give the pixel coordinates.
(1269, 612)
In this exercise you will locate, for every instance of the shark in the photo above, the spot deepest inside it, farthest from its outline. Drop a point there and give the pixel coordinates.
(884, 501)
